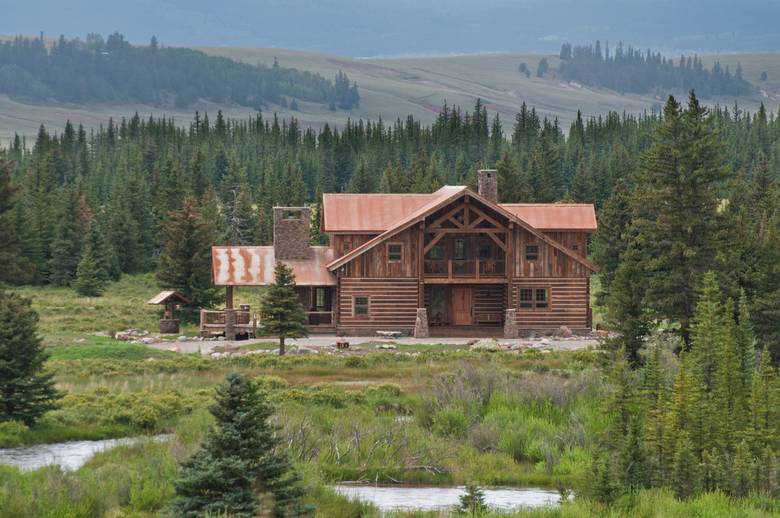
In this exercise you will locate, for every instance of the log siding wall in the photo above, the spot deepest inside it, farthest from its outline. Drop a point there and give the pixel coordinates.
(568, 303)
(392, 305)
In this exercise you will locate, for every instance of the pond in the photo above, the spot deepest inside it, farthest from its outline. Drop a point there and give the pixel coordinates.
(68, 455)
(433, 498)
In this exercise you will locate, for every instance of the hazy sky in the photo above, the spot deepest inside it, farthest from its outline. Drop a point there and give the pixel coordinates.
(397, 27)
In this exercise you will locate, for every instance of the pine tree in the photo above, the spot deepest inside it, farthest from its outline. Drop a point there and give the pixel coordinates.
(675, 210)
(282, 312)
(472, 502)
(90, 277)
(239, 461)
(361, 180)
(185, 259)
(685, 473)
(26, 392)
(66, 247)
(16, 268)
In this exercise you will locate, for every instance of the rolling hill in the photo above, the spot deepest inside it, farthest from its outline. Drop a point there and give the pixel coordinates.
(396, 87)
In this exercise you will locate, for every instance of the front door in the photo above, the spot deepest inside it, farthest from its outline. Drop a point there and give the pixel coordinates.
(461, 306)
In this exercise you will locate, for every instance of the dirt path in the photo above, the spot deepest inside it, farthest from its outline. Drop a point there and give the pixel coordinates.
(318, 342)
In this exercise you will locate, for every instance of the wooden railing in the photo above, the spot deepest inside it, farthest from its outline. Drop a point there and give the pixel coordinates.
(215, 322)
(476, 268)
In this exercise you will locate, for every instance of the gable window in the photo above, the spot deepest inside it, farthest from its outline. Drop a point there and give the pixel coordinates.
(531, 252)
(485, 250)
(359, 306)
(395, 252)
(346, 246)
(534, 298)
(459, 249)
(575, 247)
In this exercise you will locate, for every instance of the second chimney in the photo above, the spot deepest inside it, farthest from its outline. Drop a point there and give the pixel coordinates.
(291, 233)
(487, 181)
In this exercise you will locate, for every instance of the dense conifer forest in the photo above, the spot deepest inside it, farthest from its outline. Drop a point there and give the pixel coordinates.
(630, 70)
(122, 192)
(112, 70)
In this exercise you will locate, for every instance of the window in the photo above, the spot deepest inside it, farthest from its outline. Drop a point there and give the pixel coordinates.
(346, 246)
(291, 214)
(359, 306)
(436, 253)
(459, 249)
(531, 252)
(319, 298)
(395, 252)
(534, 298)
(575, 247)
(485, 250)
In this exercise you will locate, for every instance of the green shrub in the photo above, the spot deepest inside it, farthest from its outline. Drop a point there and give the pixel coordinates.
(450, 421)
(12, 433)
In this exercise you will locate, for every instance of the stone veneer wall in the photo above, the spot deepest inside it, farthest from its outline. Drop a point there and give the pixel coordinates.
(291, 235)
(487, 181)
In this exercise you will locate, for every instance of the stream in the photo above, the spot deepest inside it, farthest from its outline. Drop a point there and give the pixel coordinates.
(433, 498)
(67, 455)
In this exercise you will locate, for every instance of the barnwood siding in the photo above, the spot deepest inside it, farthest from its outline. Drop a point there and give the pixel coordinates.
(570, 239)
(374, 263)
(337, 242)
(392, 304)
(568, 303)
(490, 300)
(551, 263)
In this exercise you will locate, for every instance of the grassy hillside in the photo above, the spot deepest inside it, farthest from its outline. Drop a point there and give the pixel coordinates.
(392, 88)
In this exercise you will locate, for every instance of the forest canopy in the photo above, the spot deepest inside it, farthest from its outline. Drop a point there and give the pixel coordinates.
(113, 70)
(631, 70)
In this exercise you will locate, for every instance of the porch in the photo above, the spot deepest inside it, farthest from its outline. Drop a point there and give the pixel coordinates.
(455, 309)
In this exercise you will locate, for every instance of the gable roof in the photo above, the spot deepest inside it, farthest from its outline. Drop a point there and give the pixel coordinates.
(165, 296)
(254, 266)
(555, 216)
(376, 213)
(440, 198)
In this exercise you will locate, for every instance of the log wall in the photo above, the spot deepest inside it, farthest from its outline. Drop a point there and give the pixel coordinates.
(568, 304)
(392, 305)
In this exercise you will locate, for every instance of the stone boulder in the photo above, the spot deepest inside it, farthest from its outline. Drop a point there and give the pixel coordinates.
(131, 334)
(486, 344)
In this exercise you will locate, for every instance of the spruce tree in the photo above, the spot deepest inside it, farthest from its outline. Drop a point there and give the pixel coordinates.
(185, 259)
(66, 247)
(16, 268)
(239, 462)
(472, 502)
(675, 207)
(90, 277)
(361, 180)
(282, 312)
(26, 391)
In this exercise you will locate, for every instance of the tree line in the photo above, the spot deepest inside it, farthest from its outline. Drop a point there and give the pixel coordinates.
(113, 70)
(631, 70)
(129, 193)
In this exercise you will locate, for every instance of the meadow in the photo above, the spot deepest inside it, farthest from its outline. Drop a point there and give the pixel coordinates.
(427, 415)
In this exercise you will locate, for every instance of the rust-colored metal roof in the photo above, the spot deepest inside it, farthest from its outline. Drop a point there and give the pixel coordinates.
(368, 213)
(165, 296)
(555, 216)
(254, 266)
(376, 213)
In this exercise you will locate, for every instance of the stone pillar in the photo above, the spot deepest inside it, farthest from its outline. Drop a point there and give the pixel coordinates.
(421, 323)
(230, 324)
(487, 182)
(510, 324)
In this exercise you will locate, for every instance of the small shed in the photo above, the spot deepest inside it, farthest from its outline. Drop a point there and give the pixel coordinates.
(168, 324)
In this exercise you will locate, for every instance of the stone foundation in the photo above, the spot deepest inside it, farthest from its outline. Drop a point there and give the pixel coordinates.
(510, 324)
(421, 324)
(169, 326)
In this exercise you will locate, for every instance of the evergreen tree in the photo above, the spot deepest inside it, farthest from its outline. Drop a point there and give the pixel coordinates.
(472, 502)
(185, 260)
(66, 247)
(239, 461)
(90, 277)
(26, 391)
(16, 268)
(675, 210)
(360, 181)
(282, 312)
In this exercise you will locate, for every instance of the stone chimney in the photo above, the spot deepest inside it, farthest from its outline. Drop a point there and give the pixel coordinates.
(487, 180)
(291, 233)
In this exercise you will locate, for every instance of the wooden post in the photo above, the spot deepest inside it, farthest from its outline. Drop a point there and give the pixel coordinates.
(228, 297)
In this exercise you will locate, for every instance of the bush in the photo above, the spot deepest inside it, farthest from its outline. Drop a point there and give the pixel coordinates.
(12, 433)
(450, 422)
